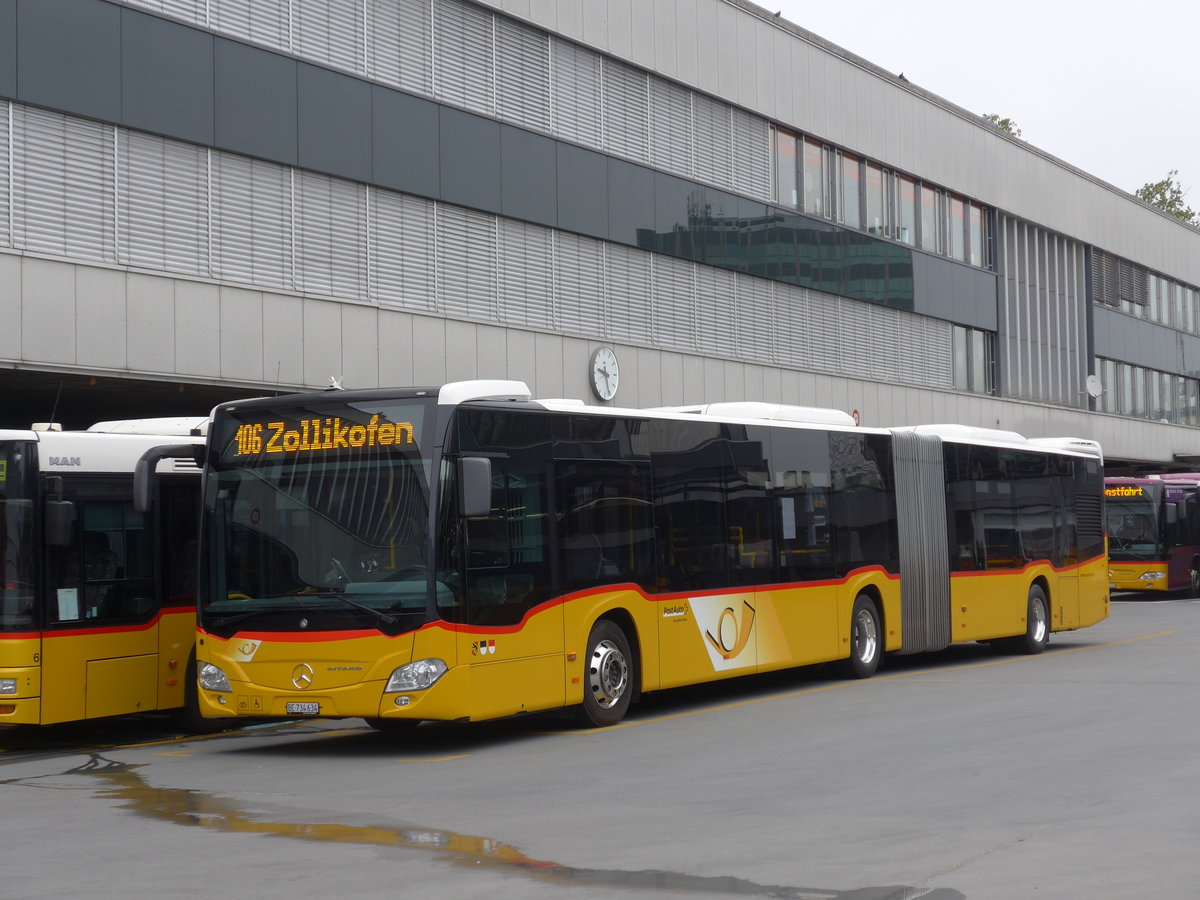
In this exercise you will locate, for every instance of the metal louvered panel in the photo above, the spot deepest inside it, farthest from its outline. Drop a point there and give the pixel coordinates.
(330, 32)
(824, 350)
(463, 57)
(266, 22)
(714, 141)
(751, 155)
(331, 236)
(6, 210)
(164, 204)
(579, 269)
(527, 261)
(400, 44)
(466, 255)
(854, 335)
(523, 76)
(625, 101)
(924, 555)
(403, 251)
(718, 312)
(674, 303)
(671, 126)
(627, 308)
(252, 233)
(575, 93)
(792, 324)
(756, 327)
(63, 170)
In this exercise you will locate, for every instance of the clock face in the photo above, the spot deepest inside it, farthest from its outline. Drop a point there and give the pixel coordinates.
(605, 373)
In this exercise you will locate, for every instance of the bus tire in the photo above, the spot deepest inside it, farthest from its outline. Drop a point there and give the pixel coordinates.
(393, 726)
(866, 638)
(1194, 578)
(608, 681)
(1037, 623)
(188, 718)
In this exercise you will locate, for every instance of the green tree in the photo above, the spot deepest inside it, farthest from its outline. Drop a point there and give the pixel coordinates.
(1008, 126)
(1168, 195)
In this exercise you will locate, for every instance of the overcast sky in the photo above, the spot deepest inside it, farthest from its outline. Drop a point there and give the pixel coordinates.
(1111, 87)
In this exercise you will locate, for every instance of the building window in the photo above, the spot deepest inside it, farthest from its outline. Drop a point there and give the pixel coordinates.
(849, 209)
(816, 187)
(929, 219)
(957, 224)
(906, 210)
(974, 360)
(786, 186)
(876, 201)
(977, 232)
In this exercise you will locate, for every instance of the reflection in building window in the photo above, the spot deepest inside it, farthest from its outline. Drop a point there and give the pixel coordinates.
(786, 187)
(957, 224)
(815, 185)
(974, 359)
(929, 219)
(876, 201)
(906, 210)
(975, 228)
(851, 194)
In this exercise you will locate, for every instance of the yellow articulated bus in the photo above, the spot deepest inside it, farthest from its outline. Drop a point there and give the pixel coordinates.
(97, 598)
(466, 553)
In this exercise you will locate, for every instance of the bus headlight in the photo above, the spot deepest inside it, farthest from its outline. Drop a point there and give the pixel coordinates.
(415, 676)
(1153, 576)
(211, 678)
(8, 685)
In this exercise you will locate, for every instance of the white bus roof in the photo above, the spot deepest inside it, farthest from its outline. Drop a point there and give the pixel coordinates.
(63, 452)
(183, 426)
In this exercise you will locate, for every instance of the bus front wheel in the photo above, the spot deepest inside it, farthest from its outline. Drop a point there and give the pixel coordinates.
(608, 685)
(866, 638)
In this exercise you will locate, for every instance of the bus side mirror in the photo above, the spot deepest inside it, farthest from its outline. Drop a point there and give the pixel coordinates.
(474, 486)
(143, 472)
(60, 522)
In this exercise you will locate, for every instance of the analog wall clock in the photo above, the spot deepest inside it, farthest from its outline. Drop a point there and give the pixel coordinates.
(605, 373)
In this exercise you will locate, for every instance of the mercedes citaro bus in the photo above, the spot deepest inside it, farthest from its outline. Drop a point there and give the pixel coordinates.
(466, 552)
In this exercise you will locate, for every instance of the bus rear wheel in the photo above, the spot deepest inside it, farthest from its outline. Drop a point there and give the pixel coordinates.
(1194, 578)
(866, 638)
(608, 683)
(1037, 623)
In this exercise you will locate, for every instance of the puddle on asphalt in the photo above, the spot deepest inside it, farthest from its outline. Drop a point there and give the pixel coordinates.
(120, 781)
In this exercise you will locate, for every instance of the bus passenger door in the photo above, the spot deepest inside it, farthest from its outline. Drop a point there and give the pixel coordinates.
(513, 639)
(100, 644)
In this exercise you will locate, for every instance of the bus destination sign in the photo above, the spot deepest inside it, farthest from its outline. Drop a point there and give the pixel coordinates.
(319, 435)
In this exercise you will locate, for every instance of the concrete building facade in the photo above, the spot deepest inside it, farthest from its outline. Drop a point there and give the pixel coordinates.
(210, 198)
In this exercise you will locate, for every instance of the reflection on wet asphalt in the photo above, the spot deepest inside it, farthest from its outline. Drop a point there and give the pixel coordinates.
(121, 781)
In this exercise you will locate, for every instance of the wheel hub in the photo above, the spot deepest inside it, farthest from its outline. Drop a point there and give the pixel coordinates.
(608, 674)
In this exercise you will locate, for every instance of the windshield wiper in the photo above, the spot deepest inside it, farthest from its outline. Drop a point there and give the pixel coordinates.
(383, 617)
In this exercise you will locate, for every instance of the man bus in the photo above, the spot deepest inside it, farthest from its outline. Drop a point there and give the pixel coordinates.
(466, 553)
(1154, 533)
(97, 599)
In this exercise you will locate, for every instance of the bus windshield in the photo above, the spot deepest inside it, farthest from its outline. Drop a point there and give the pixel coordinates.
(18, 487)
(1132, 522)
(319, 514)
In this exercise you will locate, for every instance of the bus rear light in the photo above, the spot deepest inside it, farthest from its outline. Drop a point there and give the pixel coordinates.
(8, 685)
(416, 676)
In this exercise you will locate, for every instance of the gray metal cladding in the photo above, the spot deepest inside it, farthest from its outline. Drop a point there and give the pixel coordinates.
(924, 555)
